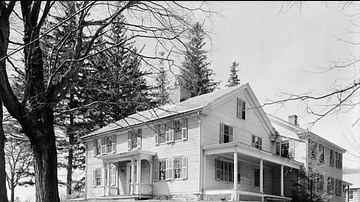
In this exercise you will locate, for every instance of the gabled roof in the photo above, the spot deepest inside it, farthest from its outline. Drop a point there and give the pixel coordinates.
(289, 130)
(354, 179)
(189, 105)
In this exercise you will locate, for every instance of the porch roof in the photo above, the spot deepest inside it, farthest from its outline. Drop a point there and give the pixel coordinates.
(249, 151)
(143, 154)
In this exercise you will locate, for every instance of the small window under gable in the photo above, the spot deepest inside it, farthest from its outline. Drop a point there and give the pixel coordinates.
(226, 133)
(256, 142)
(241, 108)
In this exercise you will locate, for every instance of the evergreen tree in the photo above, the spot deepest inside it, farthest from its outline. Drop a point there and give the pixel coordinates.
(233, 79)
(196, 77)
(161, 84)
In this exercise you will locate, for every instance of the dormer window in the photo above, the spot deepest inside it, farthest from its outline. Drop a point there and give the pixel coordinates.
(241, 108)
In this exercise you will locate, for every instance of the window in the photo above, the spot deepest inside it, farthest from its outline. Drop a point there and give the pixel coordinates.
(97, 146)
(162, 169)
(351, 194)
(171, 131)
(330, 185)
(171, 168)
(331, 157)
(224, 171)
(338, 162)
(109, 143)
(241, 108)
(282, 149)
(321, 152)
(180, 128)
(257, 177)
(319, 182)
(97, 177)
(338, 185)
(256, 142)
(226, 133)
(104, 145)
(134, 138)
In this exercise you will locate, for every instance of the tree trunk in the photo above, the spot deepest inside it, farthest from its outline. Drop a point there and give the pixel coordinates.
(42, 137)
(12, 199)
(3, 190)
(71, 151)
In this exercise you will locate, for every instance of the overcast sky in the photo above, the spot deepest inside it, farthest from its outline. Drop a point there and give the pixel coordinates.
(282, 53)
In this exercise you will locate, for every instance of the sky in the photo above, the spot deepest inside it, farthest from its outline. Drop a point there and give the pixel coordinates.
(282, 53)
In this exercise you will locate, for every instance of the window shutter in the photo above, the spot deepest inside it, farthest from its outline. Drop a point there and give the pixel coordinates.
(243, 109)
(155, 170)
(260, 143)
(172, 138)
(95, 147)
(114, 143)
(184, 130)
(103, 145)
(253, 140)
(156, 139)
(169, 168)
(106, 144)
(184, 169)
(291, 148)
(94, 178)
(231, 134)
(238, 108)
(167, 136)
(102, 176)
(113, 176)
(239, 175)
(221, 135)
(278, 148)
(138, 142)
(129, 144)
(217, 169)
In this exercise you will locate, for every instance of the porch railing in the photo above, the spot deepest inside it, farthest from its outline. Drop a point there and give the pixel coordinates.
(142, 188)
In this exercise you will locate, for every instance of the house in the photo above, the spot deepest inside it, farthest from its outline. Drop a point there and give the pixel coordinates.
(315, 152)
(353, 191)
(217, 146)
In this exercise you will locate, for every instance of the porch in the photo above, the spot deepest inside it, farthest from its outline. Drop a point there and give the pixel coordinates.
(249, 185)
(128, 175)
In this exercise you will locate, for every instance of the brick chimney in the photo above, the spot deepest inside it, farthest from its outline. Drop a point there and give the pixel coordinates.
(293, 119)
(177, 93)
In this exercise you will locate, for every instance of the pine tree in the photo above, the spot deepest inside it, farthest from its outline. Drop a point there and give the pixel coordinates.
(161, 95)
(196, 77)
(233, 79)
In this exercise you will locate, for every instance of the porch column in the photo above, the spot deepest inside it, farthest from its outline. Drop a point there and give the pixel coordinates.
(108, 178)
(132, 176)
(138, 177)
(235, 170)
(234, 196)
(204, 174)
(151, 171)
(282, 180)
(261, 176)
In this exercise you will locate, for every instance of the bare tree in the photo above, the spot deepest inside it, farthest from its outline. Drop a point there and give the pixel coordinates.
(339, 96)
(45, 86)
